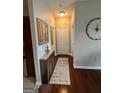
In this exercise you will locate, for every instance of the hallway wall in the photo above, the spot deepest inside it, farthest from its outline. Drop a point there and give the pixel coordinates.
(87, 52)
(72, 30)
(42, 11)
(39, 9)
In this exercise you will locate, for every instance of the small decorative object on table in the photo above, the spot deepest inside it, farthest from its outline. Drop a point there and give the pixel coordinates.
(47, 49)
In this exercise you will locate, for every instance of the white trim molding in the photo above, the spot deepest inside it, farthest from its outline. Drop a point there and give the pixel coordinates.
(64, 54)
(70, 54)
(38, 83)
(86, 67)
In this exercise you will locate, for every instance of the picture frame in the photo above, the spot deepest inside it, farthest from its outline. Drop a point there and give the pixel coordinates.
(42, 30)
(52, 35)
(46, 33)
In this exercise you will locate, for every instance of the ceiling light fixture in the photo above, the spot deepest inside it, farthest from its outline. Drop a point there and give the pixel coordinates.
(61, 13)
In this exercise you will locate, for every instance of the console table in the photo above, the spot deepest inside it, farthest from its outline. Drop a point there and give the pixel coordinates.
(47, 64)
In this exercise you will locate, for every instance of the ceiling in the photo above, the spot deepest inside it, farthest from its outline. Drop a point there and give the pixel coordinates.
(67, 6)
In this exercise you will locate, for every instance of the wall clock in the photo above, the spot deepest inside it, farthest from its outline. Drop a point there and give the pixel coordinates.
(93, 29)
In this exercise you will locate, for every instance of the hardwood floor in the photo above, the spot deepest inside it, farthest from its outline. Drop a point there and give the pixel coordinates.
(82, 81)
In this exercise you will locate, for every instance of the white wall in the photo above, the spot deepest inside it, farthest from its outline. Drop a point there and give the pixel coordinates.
(38, 9)
(72, 29)
(42, 11)
(87, 52)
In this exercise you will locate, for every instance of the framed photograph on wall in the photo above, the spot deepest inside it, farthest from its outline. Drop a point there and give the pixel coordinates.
(46, 33)
(52, 35)
(41, 34)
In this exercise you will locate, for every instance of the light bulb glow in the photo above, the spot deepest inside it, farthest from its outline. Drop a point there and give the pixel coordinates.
(61, 13)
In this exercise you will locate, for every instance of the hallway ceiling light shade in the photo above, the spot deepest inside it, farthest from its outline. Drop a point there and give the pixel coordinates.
(61, 13)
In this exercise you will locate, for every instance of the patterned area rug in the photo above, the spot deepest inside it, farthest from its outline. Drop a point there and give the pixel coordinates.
(61, 72)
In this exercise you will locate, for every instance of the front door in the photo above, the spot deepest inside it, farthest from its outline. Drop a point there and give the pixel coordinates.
(62, 35)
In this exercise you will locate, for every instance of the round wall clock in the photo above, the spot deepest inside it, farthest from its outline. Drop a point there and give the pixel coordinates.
(93, 29)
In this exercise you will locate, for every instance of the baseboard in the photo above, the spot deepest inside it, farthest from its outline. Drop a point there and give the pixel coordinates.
(70, 54)
(63, 55)
(38, 83)
(86, 67)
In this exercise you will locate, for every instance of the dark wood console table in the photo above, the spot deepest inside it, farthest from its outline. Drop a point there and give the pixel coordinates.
(47, 64)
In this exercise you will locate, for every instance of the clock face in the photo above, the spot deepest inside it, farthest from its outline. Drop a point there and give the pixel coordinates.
(93, 29)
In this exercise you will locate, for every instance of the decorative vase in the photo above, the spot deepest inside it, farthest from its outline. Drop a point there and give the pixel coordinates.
(47, 49)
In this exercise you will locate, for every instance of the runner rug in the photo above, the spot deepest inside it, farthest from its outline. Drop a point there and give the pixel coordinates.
(61, 72)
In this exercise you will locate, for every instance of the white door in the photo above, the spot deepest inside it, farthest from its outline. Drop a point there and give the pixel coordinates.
(62, 40)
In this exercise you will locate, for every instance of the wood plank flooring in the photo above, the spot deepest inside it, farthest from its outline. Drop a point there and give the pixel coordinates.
(82, 81)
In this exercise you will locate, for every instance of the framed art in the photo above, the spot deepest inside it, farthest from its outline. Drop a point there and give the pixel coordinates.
(52, 35)
(46, 33)
(41, 36)
(42, 28)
